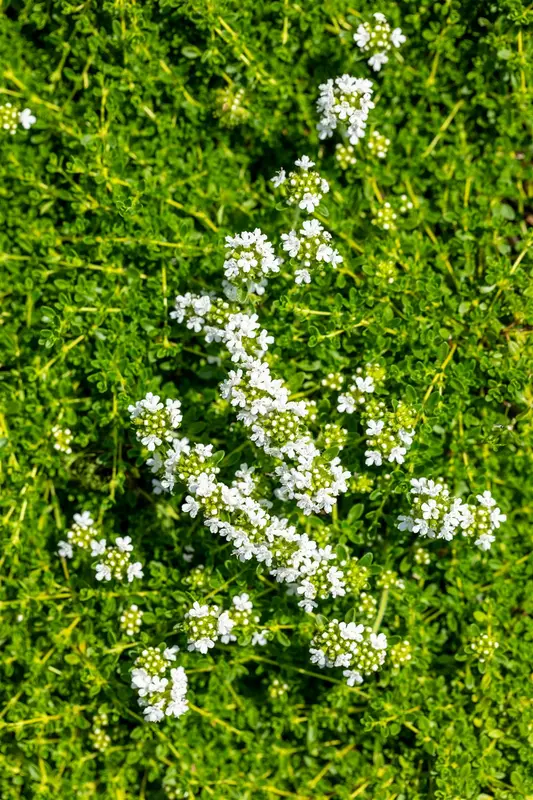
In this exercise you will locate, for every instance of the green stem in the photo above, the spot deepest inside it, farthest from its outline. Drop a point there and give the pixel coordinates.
(381, 610)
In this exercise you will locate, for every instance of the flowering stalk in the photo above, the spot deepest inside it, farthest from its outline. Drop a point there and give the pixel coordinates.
(344, 103)
(357, 648)
(390, 433)
(277, 424)
(438, 515)
(160, 696)
(206, 624)
(311, 249)
(305, 188)
(292, 558)
(115, 559)
(377, 39)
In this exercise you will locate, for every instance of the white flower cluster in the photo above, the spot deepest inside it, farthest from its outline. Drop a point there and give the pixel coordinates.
(438, 515)
(344, 102)
(311, 247)
(11, 118)
(377, 39)
(276, 423)
(115, 559)
(155, 421)
(291, 557)
(305, 188)
(355, 647)
(206, 624)
(160, 696)
(390, 433)
(250, 259)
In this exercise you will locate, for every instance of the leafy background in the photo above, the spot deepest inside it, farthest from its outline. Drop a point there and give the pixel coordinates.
(120, 197)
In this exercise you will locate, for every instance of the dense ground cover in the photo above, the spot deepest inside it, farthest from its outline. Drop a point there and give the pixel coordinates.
(118, 199)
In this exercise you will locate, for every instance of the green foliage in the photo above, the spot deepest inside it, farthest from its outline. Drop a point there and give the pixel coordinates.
(120, 197)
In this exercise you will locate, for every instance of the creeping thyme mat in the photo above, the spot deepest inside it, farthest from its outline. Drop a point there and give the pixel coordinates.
(266, 427)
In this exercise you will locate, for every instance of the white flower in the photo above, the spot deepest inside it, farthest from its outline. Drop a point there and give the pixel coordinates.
(153, 714)
(84, 520)
(242, 602)
(397, 454)
(486, 499)
(140, 680)
(291, 243)
(124, 544)
(27, 119)
(103, 573)
(397, 37)
(365, 384)
(405, 523)
(361, 36)
(225, 624)
(373, 457)
(496, 517)
(374, 428)
(378, 641)
(135, 571)
(352, 677)
(351, 631)
(302, 276)
(197, 611)
(485, 541)
(157, 684)
(176, 708)
(64, 549)
(98, 548)
(259, 638)
(170, 652)
(346, 404)
(377, 60)
(191, 506)
(304, 162)
(202, 645)
(309, 202)
(279, 178)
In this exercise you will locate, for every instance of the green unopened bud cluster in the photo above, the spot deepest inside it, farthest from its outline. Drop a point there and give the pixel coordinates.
(400, 654)
(345, 156)
(230, 106)
(378, 144)
(367, 605)
(483, 647)
(278, 689)
(422, 556)
(62, 439)
(334, 435)
(390, 580)
(100, 738)
(131, 620)
(333, 380)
